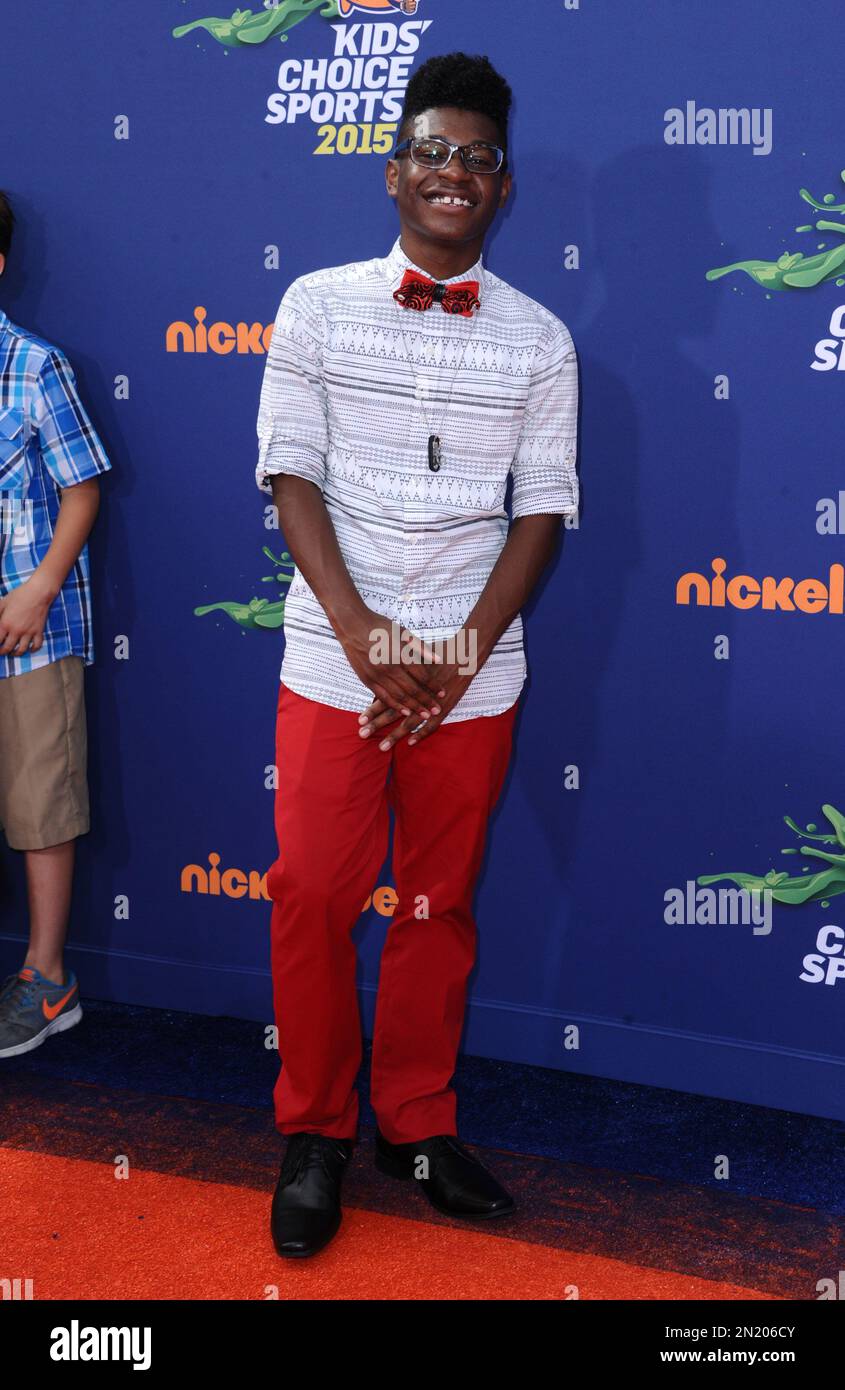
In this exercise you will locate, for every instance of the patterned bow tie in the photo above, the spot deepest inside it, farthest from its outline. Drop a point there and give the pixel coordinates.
(418, 292)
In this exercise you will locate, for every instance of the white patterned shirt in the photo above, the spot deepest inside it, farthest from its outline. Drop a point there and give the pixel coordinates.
(354, 384)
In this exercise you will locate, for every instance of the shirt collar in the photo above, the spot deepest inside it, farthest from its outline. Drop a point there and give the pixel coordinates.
(4, 321)
(396, 262)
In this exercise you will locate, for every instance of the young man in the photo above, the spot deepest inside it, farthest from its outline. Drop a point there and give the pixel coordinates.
(50, 458)
(398, 395)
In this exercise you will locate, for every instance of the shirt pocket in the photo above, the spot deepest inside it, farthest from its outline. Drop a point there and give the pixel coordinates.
(12, 452)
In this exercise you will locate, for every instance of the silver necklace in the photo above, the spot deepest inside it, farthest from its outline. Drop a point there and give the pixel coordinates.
(435, 452)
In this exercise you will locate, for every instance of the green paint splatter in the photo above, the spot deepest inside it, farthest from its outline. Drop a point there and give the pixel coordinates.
(793, 270)
(259, 612)
(245, 27)
(815, 887)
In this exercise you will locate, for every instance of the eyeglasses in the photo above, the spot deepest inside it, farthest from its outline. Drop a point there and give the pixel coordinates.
(433, 153)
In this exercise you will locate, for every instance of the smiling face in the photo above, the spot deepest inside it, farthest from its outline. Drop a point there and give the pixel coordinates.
(445, 213)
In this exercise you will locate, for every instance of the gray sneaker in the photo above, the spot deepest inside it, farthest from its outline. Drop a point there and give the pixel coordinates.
(31, 1008)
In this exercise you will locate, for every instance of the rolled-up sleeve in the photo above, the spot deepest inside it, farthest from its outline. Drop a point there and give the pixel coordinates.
(292, 415)
(544, 465)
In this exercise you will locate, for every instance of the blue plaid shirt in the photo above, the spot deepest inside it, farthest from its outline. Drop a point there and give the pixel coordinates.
(47, 442)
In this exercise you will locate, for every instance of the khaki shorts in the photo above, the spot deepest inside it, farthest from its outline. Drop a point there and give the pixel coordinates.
(43, 755)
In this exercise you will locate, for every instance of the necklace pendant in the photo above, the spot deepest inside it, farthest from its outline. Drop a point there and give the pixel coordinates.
(434, 452)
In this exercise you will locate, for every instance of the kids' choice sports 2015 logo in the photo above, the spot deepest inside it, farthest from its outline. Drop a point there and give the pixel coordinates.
(795, 271)
(354, 94)
(822, 877)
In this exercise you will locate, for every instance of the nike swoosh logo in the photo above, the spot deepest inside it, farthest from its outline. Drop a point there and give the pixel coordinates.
(50, 1010)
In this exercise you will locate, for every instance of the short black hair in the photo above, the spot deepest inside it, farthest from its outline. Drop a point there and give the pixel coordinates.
(7, 224)
(460, 79)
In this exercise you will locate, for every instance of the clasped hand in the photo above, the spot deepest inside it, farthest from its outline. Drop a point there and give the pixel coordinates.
(413, 691)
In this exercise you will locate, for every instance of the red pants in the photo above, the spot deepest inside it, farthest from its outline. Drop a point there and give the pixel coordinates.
(332, 825)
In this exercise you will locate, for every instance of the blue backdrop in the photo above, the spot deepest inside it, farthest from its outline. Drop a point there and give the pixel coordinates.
(165, 178)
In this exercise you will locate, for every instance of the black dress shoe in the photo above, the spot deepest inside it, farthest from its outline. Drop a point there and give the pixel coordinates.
(306, 1204)
(452, 1180)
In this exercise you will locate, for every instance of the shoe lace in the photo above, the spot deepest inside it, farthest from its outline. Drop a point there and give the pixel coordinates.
(7, 985)
(15, 995)
(307, 1151)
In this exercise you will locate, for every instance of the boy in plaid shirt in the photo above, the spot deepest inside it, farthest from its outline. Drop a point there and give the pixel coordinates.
(50, 459)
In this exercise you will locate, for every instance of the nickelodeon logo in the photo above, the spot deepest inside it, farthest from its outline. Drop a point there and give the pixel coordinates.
(221, 337)
(230, 883)
(774, 595)
(238, 883)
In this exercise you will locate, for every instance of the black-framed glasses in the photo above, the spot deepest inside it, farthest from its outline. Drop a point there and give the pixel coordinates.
(431, 152)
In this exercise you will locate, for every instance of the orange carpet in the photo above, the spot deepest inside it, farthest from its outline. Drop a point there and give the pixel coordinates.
(79, 1232)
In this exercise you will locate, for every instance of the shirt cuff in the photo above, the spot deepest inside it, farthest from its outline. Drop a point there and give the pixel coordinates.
(299, 459)
(539, 490)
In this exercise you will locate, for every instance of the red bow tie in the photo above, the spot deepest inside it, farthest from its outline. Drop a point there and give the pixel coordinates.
(418, 292)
